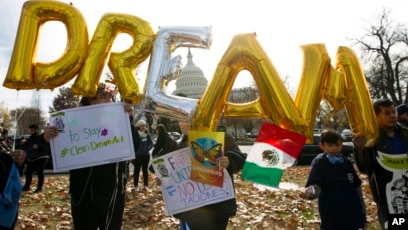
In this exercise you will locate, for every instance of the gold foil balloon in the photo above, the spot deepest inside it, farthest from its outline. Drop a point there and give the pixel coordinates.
(336, 91)
(359, 108)
(24, 72)
(316, 66)
(344, 85)
(122, 65)
(274, 101)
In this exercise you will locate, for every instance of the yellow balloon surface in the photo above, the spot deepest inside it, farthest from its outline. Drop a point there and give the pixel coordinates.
(122, 64)
(336, 92)
(24, 72)
(359, 108)
(316, 66)
(341, 86)
(245, 53)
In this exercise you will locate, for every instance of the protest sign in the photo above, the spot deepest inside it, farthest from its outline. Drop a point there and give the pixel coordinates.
(206, 147)
(91, 135)
(180, 193)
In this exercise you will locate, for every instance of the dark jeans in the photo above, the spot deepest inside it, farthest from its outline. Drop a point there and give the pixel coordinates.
(143, 163)
(205, 220)
(90, 211)
(213, 216)
(37, 166)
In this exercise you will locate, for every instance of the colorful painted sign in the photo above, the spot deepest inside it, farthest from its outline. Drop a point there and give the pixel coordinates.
(205, 148)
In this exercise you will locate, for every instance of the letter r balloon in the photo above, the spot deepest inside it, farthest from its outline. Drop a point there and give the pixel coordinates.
(122, 65)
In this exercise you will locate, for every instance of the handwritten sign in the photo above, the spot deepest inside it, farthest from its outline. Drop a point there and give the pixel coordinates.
(90, 136)
(182, 194)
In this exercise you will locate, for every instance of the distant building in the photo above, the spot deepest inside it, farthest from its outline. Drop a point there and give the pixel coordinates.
(192, 81)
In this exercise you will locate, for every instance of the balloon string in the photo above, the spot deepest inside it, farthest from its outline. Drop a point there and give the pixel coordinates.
(15, 122)
(16, 119)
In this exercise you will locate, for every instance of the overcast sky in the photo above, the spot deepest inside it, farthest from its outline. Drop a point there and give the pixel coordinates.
(281, 27)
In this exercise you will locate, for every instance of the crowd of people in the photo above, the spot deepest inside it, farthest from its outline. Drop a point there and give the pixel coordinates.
(98, 192)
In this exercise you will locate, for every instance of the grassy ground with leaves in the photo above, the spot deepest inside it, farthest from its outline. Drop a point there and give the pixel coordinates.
(258, 207)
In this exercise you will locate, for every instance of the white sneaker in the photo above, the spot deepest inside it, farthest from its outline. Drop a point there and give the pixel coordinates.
(135, 189)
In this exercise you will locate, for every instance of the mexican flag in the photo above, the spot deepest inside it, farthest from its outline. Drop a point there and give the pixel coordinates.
(274, 150)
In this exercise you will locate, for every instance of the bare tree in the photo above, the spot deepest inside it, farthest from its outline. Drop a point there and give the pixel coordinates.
(36, 113)
(384, 49)
(25, 116)
(64, 100)
(329, 118)
(242, 95)
(5, 118)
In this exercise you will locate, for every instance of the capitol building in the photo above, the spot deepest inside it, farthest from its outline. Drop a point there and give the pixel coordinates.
(191, 81)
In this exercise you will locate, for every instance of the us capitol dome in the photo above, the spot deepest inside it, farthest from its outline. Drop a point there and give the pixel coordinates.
(191, 81)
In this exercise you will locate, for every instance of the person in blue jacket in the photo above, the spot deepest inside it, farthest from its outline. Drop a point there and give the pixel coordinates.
(11, 169)
(335, 183)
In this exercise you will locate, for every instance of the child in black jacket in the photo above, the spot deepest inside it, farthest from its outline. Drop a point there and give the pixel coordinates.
(334, 181)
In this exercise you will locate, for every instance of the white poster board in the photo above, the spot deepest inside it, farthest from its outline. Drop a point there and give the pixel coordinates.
(182, 194)
(91, 135)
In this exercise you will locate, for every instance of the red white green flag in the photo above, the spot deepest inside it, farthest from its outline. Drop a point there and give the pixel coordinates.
(274, 150)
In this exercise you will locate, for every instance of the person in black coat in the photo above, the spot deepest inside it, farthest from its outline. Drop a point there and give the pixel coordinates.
(392, 143)
(97, 192)
(335, 183)
(163, 141)
(37, 154)
(213, 216)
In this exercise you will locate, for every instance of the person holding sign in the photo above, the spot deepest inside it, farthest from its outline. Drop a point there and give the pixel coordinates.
(213, 216)
(11, 169)
(97, 192)
(385, 162)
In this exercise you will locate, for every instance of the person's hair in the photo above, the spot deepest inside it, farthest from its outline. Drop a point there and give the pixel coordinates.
(330, 136)
(161, 129)
(106, 88)
(84, 101)
(4, 132)
(33, 126)
(221, 128)
(384, 102)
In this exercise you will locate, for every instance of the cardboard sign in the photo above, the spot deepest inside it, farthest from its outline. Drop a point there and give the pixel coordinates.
(182, 194)
(90, 136)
